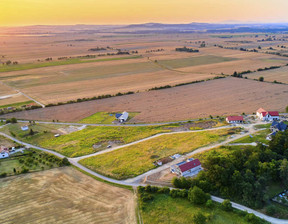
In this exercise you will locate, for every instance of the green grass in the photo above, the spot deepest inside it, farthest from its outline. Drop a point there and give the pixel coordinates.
(134, 160)
(37, 161)
(103, 118)
(165, 209)
(80, 143)
(194, 61)
(17, 104)
(260, 126)
(259, 136)
(5, 68)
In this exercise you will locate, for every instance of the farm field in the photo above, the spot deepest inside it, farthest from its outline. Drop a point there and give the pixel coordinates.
(229, 96)
(163, 208)
(279, 74)
(82, 142)
(134, 160)
(15, 99)
(64, 195)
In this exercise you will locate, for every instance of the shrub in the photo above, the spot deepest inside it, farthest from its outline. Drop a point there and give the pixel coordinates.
(209, 204)
(199, 218)
(3, 174)
(197, 196)
(261, 79)
(271, 210)
(65, 162)
(226, 205)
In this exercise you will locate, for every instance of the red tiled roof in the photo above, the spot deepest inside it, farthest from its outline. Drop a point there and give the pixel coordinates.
(261, 110)
(190, 165)
(273, 113)
(235, 118)
(264, 113)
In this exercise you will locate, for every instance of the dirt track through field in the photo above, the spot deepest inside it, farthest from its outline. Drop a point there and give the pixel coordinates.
(217, 97)
(63, 195)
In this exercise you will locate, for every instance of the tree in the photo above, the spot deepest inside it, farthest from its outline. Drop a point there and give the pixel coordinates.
(13, 120)
(197, 196)
(287, 109)
(14, 170)
(65, 162)
(261, 79)
(199, 218)
(284, 171)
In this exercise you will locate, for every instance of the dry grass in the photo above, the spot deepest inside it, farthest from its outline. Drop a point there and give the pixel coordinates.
(217, 97)
(63, 195)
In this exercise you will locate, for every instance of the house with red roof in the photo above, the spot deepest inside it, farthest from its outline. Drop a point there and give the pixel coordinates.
(267, 115)
(234, 119)
(188, 168)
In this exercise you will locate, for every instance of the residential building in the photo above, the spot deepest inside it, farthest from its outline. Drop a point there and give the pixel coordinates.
(235, 119)
(187, 168)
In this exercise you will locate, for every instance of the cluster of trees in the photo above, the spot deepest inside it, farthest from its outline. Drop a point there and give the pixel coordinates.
(243, 174)
(196, 196)
(98, 49)
(155, 50)
(13, 109)
(186, 49)
(10, 63)
(13, 120)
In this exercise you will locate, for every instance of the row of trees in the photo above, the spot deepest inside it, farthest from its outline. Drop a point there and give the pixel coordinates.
(243, 174)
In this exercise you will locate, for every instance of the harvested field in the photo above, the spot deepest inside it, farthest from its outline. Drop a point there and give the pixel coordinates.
(16, 99)
(217, 97)
(63, 195)
(279, 74)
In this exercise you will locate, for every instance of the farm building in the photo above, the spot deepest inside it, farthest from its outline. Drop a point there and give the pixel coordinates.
(122, 117)
(187, 168)
(4, 152)
(267, 115)
(234, 119)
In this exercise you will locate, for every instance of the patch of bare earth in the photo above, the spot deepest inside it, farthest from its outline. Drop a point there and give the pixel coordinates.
(63, 195)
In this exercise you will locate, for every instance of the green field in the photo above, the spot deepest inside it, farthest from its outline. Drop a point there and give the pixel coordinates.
(81, 143)
(194, 61)
(28, 161)
(103, 118)
(6, 68)
(165, 209)
(134, 160)
(17, 104)
(260, 136)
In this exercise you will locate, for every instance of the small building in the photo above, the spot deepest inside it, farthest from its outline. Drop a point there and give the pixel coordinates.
(25, 128)
(187, 168)
(235, 119)
(4, 152)
(124, 117)
(267, 115)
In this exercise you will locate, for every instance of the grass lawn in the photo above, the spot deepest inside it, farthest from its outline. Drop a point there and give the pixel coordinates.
(29, 161)
(17, 104)
(103, 118)
(165, 209)
(134, 160)
(257, 137)
(260, 126)
(194, 61)
(19, 67)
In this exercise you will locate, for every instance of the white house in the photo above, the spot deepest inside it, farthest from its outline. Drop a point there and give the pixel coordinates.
(124, 117)
(234, 119)
(187, 168)
(25, 128)
(267, 115)
(4, 152)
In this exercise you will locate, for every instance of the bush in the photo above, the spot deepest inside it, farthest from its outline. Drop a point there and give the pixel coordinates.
(209, 204)
(253, 219)
(164, 190)
(65, 162)
(197, 196)
(3, 174)
(261, 79)
(226, 205)
(199, 218)
(146, 197)
(271, 210)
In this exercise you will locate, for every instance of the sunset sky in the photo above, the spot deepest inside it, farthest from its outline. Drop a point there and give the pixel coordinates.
(31, 12)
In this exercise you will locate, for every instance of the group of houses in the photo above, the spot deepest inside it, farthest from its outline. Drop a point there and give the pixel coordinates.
(188, 168)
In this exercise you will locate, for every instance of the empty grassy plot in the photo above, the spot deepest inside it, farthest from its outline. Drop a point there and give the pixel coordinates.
(103, 118)
(257, 137)
(93, 139)
(165, 209)
(134, 160)
(16, 105)
(19, 67)
(194, 61)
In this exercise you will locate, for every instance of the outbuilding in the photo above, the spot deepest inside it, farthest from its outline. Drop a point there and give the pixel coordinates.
(4, 152)
(187, 168)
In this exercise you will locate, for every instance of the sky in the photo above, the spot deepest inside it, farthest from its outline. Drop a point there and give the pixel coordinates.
(62, 12)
